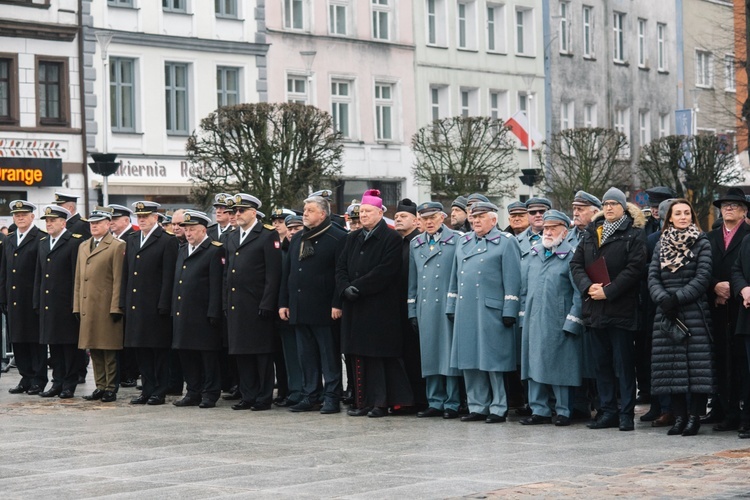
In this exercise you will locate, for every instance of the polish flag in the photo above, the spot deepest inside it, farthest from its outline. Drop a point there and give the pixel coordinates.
(519, 125)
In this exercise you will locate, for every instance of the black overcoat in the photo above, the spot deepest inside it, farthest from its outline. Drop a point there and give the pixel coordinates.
(741, 279)
(54, 284)
(196, 297)
(146, 296)
(371, 325)
(253, 276)
(723, 259)
(17, 269)
(309, 285)
(77, 226)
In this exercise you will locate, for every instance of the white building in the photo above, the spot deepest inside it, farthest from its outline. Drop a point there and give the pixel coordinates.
(168, 65)
(41, 144)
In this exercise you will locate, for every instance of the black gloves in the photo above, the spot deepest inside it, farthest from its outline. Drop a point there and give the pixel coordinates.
(509, 321)
(265, 314)
(669, 306)
(214, 321)
(116, 317)
(351, 293)
(451, 316)
(414, 325)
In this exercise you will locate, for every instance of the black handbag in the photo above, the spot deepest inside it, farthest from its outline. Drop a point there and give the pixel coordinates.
(674, 329)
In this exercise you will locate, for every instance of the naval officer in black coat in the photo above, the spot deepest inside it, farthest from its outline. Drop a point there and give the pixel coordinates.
(75, 224)
(197, 311)
(146, 298)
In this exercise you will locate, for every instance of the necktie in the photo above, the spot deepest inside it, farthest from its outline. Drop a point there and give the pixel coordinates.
(143, 239)
(192, 249)
(52, 243)
(20, 237)
(242, 236)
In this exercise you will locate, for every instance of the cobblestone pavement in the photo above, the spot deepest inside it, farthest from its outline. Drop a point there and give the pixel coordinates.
(77, 449)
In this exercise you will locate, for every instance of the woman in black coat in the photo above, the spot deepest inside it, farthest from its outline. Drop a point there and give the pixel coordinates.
(678, 278)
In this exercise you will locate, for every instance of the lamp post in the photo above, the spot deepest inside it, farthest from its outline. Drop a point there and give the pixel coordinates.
(695, 95)
(103, 38)
(528, 80)
(308, 56)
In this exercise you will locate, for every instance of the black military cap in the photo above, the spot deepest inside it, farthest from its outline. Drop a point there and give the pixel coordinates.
(658, 194)
(120, 211)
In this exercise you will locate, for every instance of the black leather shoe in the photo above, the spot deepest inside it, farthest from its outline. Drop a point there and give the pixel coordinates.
(678, 427)
(495, 419)
(474, 417)
(524, 411)
(626, 423)
(378, 412)
(94, 396)
(186, 402)
(651, 415)
(66, 394)
(562, 421)
(140, 400)
(449, 414)
(744, 434)
(207, 404)
(34, 390)
(430, 412)
(358, 412)
(744, 427)
(243, 405)
(304, 405)
(329, 407)
(712, 417)
(131, 382)
(643, 399)
(155, 400)
(232, 396)
(693, 426)
(51, 393)
(604, 421)
(284, 402)
(536, 420)
(19, 389)
(109, 397)
(261, 407)
(726, 425)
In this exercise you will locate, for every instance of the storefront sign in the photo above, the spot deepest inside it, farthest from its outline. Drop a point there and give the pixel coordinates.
(30, 172)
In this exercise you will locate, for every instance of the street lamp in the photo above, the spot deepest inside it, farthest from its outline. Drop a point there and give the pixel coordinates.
(528, 80)
(695, 95)
(308, 56)
(103, 38)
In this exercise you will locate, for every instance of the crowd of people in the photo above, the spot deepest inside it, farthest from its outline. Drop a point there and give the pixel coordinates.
(439, 314)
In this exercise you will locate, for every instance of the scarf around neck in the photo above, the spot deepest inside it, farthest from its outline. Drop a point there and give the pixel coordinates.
(675, 246)
(609, 228)
(306, 248)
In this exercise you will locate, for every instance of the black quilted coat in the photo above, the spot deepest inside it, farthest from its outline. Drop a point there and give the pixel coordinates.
(682, 367)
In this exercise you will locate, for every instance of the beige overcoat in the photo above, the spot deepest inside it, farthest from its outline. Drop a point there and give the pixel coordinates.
(97, 293)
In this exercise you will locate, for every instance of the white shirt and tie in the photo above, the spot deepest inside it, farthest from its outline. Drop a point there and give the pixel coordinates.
(192, 248)
(54, 240)
(144, 236)
(244, 233)
(19, 236)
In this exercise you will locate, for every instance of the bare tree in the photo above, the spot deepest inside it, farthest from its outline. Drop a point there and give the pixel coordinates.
(461, 155)
(275, 151)
(591, 159)
(662, 163)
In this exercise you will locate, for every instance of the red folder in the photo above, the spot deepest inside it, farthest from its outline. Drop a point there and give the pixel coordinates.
(598, 273)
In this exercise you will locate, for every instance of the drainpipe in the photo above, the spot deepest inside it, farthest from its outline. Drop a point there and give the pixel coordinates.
(84, 150)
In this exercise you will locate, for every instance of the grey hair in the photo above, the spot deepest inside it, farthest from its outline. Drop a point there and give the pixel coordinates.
(321, 202)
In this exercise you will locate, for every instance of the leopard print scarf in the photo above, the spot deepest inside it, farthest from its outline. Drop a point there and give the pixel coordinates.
(675, 246)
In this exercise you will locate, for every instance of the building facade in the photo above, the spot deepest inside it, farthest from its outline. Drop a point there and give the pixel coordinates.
(41, 115)
(167, 65)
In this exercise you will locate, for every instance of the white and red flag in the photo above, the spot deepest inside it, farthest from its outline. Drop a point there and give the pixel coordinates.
(519, 125)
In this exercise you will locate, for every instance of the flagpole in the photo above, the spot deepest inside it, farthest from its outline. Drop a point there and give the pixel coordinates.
(528, 80)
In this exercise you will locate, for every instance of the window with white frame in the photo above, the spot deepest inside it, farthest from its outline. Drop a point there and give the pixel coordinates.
(618, 27)
(663, 124)
(120, 3)
(439, 101)
(122, 94)
(703, 69)
(437, 32)
(622, 125)
(227, 86)
(467, 24)
(644, 127)
(338, 11)
(498, 101)
(382, 10)
(587, 21)
(179, 6)
(567, 115)
(496, 28)
(661, 46)
(226, 8)
(296, 89)
(729, 83)
(642, 62)
(589, 115)
(384, 111)
(294, 14)
(564, 33)
(469, 101)
(524, 31)
(176, 97)
(342, 106)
